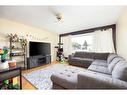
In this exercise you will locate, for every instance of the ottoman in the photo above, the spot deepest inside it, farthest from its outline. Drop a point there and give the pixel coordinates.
(66, 78)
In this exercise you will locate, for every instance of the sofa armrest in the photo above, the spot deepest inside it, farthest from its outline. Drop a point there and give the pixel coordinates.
(70, 56)
(93, 81)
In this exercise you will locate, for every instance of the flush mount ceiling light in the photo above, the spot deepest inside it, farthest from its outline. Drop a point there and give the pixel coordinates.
(57, 14)
(59, 17)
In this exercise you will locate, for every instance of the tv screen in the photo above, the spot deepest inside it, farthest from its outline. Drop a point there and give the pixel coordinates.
(39, 48)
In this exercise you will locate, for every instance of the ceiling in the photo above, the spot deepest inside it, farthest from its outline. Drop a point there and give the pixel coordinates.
(74, 17)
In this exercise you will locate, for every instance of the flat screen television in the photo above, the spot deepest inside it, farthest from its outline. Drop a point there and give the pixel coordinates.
(39, 48)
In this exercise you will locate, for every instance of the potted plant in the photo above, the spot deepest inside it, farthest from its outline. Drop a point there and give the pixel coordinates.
(3, 62)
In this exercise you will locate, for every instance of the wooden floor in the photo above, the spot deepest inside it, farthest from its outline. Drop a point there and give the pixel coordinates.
(26, 85)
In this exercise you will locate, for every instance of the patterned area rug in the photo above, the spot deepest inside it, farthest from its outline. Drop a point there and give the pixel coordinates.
(41, 78)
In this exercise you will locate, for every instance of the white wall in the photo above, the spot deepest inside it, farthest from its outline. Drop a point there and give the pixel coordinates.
(121, 34)
(35, 34)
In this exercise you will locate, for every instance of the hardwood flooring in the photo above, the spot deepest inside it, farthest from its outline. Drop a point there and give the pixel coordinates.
(26, 85)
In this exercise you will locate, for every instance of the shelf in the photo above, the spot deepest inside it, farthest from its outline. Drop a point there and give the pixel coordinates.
(17, 49)
(10, 86)
(17, 41)
(17, 55)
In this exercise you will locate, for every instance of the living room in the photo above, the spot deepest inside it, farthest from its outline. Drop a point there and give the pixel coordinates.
(63, 47)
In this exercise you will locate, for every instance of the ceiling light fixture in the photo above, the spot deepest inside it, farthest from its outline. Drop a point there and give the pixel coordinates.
(59, 17)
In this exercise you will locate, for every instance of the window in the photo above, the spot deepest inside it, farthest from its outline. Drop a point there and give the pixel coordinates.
(82, 42)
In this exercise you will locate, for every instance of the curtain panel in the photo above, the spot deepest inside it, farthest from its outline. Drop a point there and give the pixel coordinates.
(103, 41)
(67, 45)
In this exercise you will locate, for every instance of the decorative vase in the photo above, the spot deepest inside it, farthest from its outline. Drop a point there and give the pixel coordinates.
(4, 65)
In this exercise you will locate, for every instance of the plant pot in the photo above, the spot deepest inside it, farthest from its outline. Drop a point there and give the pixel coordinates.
(12, 63)
(4, 65)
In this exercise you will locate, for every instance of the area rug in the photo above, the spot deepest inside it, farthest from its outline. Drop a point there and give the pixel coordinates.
(41, 78)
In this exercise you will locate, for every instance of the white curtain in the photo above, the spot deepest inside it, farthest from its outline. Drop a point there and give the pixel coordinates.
(67, 47)
(103, 41)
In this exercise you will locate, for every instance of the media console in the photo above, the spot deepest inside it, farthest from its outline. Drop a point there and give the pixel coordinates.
(34, 61)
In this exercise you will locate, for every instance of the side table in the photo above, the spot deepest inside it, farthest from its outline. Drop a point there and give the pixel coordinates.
(11, 73)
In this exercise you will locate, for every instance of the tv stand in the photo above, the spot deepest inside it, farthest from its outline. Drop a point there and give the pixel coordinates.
(34, 61)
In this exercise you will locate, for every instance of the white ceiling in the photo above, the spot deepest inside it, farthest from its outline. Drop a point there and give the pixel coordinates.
(74, 17)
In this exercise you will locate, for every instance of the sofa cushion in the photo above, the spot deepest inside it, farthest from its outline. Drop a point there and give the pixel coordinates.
(81, 62)
(100, 69)
(75, 59)
(92, 55)
(111, 57)
(120, 71)
(114, 62)
(97, 73)
(100, 63)
(89, 80)
(89, 55)
(67, 77)
(102, 56)
(84, 60)
(66, 81)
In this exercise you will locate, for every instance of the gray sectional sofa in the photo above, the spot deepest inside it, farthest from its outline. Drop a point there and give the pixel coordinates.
(110, 73)
(84, 59)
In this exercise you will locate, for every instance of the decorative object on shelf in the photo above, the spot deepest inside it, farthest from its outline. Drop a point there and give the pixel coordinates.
(34, 37)
(14, 37)
(12, 63)
(9, 86)
(3, 53)
(23, 42)
(4, 65)
(5, 84)
(15, 81)
(17, 54)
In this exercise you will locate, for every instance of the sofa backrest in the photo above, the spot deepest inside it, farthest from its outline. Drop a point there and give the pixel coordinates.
(93, 55)
(115, 60)
(111, 57)
(120, 71)
(89, 55)
(102, 56)
(79, 54)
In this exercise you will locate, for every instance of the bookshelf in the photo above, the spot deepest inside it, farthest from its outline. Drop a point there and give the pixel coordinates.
(18, 49)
